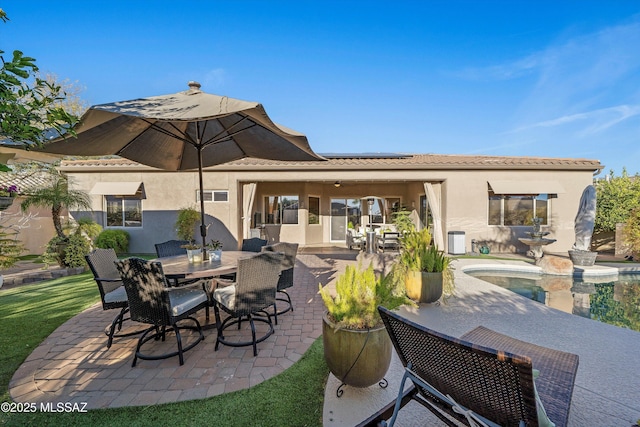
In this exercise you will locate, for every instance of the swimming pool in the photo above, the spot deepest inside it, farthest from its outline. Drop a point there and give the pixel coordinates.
(616, 302)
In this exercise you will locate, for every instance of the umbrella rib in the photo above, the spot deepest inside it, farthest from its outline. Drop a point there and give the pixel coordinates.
(216, 138)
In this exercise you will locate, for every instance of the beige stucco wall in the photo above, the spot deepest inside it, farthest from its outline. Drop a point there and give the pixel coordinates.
(34, 227)
(464, 197)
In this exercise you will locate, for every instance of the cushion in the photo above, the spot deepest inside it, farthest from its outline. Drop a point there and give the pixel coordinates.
(543, 420)
(226, 296)
(184, 299)
(117, 295)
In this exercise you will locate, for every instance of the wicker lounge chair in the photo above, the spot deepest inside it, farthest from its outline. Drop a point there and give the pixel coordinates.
(151, 301)
(485, 386)
(112, 293)
(290, 250)
(248, 298)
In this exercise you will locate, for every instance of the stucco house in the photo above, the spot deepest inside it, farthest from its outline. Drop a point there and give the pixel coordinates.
(491, 199)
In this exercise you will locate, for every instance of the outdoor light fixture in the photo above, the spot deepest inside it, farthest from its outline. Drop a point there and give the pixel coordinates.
(337, 184)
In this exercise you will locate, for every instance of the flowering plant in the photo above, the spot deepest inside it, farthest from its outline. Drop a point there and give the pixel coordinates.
(9, 191)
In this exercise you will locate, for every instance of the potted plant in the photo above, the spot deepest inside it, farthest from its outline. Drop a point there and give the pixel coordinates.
(357, 347)
(215, 250)
(186, 222)
(425, 269)
(7, 196)
(194, 251)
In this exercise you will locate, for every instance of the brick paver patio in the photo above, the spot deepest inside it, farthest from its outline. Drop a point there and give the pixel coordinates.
(74, 365)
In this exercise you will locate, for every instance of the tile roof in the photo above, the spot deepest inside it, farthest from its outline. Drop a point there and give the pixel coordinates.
(25, 180)
(367, 161)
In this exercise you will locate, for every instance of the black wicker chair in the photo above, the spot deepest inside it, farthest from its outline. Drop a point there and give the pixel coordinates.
(254, 244)
(151, 301)
(171, 248)
(466, 381)
(112, 293)
(248, 298)
(290, 250)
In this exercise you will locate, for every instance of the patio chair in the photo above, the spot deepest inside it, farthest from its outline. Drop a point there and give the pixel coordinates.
(290, 250)
(388, 240)
(152, 302)
(112, 293)
(479, 379)
(248, 298)
(171, 248)
(355, 239)
(253, 244)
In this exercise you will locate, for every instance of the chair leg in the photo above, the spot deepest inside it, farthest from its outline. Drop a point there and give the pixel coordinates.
(179, 339)
(253, 336)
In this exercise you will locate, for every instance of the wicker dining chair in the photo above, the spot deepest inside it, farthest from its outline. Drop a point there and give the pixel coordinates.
(248, 298)
(462, 381)
(112, 292)
(152, 302)
(254, 244)
(290, 251)
(171, 248)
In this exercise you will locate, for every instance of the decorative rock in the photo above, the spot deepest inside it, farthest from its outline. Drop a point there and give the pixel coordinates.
(555, 265)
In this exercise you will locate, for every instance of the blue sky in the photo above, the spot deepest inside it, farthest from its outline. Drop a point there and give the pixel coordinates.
(523, 78)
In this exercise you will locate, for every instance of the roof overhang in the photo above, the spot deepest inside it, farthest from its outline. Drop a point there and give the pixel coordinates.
(526, 187)
(124, 188)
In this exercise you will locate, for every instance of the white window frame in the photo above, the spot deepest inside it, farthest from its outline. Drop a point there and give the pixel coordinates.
(534, 208)
(213, 194)
(122, 200)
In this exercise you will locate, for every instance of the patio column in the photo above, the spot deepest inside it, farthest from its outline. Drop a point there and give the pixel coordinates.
(434, 206)
(248, 195)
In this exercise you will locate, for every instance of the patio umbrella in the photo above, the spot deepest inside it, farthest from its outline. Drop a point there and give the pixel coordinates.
(184, 131)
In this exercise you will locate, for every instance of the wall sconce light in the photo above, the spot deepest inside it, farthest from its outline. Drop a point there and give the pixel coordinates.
(337, 184)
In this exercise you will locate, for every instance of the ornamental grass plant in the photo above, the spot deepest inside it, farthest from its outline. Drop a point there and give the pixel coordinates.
(357, 296)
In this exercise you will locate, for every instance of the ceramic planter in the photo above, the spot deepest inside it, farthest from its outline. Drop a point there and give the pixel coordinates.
(342, 347)
(423, 287)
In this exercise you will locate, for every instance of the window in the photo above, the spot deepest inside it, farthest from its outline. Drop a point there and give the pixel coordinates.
(515, 210)
(124, 211)
(314, 210)
(213, 196)
(281, 209)
(425, 212)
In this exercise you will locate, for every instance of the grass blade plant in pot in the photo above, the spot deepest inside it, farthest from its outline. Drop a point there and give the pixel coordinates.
(357, 348)
(426, 271)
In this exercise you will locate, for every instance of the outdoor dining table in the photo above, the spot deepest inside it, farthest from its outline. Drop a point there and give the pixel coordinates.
(179, 267)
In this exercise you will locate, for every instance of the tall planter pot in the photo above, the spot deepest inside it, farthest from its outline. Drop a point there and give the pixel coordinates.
(423, 287)
(349, 361)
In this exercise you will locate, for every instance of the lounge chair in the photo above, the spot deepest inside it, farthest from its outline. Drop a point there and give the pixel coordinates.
(480, 379)
(171, 248)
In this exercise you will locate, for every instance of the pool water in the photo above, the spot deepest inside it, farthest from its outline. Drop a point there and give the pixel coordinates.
(616, 302)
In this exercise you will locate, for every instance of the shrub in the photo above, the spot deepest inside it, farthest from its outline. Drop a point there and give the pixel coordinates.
(117, 240)
(10, 248)
(632, 232)
(89, 228)
(185, 223)
(68, 251)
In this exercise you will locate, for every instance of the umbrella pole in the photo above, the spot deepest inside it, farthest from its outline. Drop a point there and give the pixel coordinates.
(203, 227)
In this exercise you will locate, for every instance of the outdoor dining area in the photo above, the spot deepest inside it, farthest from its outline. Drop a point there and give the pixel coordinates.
(75, 363)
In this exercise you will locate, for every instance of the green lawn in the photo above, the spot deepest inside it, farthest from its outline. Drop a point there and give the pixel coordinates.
(28, 314)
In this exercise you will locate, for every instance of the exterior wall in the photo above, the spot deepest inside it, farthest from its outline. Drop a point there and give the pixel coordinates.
(463, 193)
(35, 232)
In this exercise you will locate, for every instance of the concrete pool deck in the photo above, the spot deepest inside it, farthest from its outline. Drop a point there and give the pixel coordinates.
(607, 386)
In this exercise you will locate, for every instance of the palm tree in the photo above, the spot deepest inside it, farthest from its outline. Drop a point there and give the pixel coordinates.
(57, 196)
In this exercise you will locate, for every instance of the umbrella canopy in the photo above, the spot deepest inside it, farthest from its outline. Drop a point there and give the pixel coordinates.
(183, 131)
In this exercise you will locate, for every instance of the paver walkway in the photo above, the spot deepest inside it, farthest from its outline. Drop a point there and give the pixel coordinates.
(74, 365)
